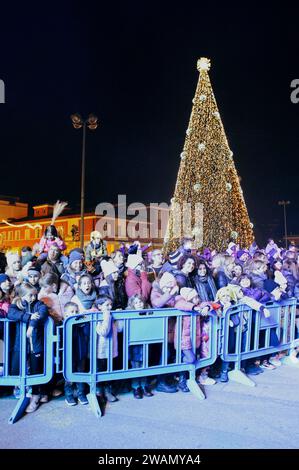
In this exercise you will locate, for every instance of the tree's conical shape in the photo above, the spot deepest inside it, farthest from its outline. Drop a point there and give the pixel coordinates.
(207, 175)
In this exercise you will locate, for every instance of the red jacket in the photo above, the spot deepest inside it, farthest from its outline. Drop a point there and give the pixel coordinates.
(138, 285)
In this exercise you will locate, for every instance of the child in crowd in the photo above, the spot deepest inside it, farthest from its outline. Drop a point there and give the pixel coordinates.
(80, 353)
(113, 285)
(189, 301)
(33, 276)
(14, 268)
(107, 329)
(140, 386)
(86, 293)
(260, 295)
(69, 279)
(27, 309)
(49, 238)
(96, 249)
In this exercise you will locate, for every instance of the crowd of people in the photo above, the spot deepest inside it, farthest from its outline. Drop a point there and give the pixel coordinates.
(34, 286)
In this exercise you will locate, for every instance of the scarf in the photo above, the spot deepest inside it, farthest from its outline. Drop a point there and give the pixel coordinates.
(87, 300)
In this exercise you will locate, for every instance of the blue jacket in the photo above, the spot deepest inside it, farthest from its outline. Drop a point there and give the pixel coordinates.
(18, 315)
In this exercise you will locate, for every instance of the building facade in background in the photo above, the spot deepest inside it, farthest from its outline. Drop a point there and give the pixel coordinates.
(17, 229)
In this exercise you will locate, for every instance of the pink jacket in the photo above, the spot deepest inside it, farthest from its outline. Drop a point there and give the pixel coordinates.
(4, 306)
(138, 285)
(45, 244)
(186, 343)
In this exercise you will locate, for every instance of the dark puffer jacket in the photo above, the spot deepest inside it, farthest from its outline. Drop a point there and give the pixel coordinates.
(24, 315)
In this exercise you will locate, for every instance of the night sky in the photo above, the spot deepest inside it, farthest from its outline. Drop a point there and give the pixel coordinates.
(134, 65)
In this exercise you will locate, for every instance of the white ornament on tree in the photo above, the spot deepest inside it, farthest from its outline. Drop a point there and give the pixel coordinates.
(202, 98)
(216, 115)
(228, 187)
(197, 187)
(188, 131)
(234, 234)
(183, 155)
(201, 147)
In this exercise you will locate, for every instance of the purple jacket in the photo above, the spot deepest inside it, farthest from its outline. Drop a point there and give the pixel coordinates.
(255, 293)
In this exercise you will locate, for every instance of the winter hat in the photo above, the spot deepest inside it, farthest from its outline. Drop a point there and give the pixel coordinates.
(241, 253)
(11, 258)
(134, 261)
(34, 268)
(75, 256)
(188, 294)
(167, 279)
(232, 247)
(108, 267)
(4, 277)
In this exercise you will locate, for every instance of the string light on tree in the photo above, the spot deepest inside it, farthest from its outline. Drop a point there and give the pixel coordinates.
(224, 210)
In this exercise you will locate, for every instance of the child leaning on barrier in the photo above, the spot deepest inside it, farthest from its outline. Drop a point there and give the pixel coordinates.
(228, 297)
(189, 301)
(106, 328)
(141, 385)
(80, 352)
(27, 309)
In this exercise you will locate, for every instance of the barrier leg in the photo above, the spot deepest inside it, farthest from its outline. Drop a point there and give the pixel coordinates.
(194, 387)
(237, 375)
(291, 359)
(19, 409)
(93, 401)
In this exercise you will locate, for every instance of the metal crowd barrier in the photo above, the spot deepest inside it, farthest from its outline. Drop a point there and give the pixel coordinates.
(24, 380)
(251, 338)
(149, 328)
(145, 328)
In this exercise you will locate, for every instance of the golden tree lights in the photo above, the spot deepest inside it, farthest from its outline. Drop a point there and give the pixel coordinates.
(207, 175)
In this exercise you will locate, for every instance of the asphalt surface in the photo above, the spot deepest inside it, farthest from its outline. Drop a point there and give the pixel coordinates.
(232, 416)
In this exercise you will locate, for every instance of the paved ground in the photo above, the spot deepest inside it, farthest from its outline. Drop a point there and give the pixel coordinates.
(232, 416)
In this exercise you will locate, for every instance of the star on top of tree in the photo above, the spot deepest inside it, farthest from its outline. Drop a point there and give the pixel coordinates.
(203, 64)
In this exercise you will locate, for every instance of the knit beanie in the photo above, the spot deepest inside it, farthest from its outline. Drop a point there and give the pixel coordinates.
(75, 256)
(11, 258)
(34, 269)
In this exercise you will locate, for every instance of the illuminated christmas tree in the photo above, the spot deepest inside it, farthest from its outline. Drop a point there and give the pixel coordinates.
(207, 175)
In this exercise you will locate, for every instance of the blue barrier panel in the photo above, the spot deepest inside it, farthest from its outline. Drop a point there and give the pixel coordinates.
(23, 380)
(150, 327)
(253, 336)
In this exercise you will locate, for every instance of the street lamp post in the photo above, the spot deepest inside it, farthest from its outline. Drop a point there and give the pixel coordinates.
(92, 123)
(284, 204)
